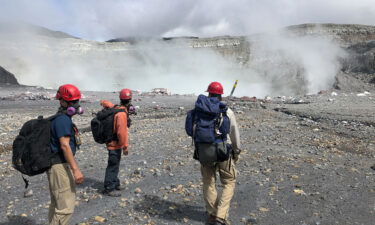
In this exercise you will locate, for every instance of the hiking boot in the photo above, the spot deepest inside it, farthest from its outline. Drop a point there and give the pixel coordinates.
(218, 223)
(111, 193)
(221, 222)
(120, 188)
(211, 219)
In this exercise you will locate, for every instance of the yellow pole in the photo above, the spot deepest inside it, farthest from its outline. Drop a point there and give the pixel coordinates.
(234, 87)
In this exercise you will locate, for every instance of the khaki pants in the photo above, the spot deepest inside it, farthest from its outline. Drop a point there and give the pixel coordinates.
(218, 205)
(63, 194)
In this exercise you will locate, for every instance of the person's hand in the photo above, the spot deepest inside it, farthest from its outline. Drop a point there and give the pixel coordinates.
(236, 157)
(78, 176)
(125, 151)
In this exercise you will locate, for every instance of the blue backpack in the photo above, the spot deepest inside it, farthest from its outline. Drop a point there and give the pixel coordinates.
(209, 126)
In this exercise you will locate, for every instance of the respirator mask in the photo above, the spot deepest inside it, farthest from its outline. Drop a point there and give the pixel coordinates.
(132, 110)
(74, 109)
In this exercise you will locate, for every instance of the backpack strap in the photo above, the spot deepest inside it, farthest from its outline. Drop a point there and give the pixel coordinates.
(50, 118)
(26, 182)
(120, 108)
(217, 123)
(194, 125)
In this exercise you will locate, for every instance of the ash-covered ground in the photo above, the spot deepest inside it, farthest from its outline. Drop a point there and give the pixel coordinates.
(305, 160)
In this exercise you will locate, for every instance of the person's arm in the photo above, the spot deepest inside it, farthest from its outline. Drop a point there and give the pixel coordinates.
(68, 154)
(121, 124)
(234, 135)
(234, 131)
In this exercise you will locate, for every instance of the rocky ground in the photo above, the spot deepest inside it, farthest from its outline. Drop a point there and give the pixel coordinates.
(305, 160)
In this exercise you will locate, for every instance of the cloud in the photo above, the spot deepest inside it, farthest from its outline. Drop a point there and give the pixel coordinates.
(106, 19)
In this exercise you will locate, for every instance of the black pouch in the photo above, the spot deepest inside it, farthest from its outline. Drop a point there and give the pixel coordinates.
(206, 152)
(212, 152)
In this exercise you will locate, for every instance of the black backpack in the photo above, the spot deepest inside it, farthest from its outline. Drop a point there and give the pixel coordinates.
(102, 125)
(31, 149)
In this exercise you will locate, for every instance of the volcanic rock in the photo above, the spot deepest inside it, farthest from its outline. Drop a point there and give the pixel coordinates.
(7, 77)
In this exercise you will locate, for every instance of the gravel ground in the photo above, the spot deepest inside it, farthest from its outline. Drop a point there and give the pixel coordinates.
(306, 160)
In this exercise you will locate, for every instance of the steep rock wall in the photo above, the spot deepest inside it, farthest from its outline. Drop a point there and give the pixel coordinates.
(7, 77)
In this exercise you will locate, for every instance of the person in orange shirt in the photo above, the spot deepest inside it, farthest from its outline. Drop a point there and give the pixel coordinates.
(115, 147)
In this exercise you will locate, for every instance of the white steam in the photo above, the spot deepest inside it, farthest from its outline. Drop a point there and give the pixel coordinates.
(295, 65)
(49, 62)
(278, 65)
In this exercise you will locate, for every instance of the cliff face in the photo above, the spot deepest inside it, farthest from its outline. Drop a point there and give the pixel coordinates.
(361, 58)
(345, 34)
(355, 63)
(358, 40)
(7, 78)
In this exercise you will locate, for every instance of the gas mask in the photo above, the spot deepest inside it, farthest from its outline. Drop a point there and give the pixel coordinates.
(131, 110)
(74, 109)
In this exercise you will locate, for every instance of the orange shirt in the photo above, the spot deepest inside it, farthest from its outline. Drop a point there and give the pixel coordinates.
(120, 126)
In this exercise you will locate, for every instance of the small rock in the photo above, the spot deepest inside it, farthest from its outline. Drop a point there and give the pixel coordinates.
(157, 107)
(157, 174)
(138, 191)
(322, 92)
(363, 94)
(28, 193)
(299, 192)
(99, 219)
(251, 221)
(137, 171)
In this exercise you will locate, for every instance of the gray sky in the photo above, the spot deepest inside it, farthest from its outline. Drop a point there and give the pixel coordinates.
(106, 19)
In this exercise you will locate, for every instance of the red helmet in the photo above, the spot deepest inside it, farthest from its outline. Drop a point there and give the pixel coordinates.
(68, 92)
(215, 88)
(125, 94)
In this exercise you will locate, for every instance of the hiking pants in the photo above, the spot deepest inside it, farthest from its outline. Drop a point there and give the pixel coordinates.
(218, 205)
(63, 194)
(111, 180)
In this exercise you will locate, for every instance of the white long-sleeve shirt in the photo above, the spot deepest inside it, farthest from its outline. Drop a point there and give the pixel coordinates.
(234, 134)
